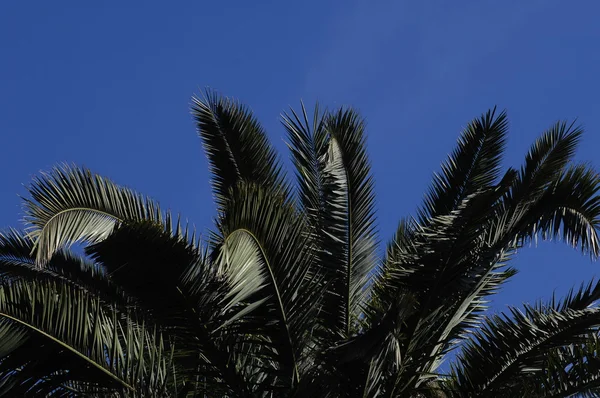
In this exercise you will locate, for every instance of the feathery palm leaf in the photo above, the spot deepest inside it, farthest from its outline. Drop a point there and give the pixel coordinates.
(236, 145)
(18, 262)
(70, 205)
(509, 348)
(462, 254)
(336, 194)
(263, 245)
(65, 326)
(474, 165)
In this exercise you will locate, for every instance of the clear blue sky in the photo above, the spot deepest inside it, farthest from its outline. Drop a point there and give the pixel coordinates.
(107, 85)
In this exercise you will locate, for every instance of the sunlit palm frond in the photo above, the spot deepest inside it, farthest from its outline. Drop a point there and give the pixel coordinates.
(349, 230)
(73, 204)
(262, 247)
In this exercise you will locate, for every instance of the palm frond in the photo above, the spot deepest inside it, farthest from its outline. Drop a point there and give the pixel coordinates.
(466, 250)
(473, 165)
(582, 298)
(64, 326)
(236, 145)
(573, 370)
(349, 244)
(263, 248)
(568, 209)
(73, 204)
(308, 146)
(546, 159)
(507, 347)
(18, 262)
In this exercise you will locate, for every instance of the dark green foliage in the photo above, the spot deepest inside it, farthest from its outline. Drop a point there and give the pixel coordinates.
(287, 297)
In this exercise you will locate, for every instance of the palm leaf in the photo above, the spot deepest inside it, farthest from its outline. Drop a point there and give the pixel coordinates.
(568, 371)
(461, 257)
(308, 146)
(473, 165)
(507, 347)
(546, 159)
(65, 326)
(262, 246)
(348, 244)
(236, 145)
(70, 205)
(568, 209)
(18, 262)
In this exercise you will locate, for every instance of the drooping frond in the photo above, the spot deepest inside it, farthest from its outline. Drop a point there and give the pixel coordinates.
(73, 338)
(236, 145)
(73, 204)
(568, 209)
(509, 348)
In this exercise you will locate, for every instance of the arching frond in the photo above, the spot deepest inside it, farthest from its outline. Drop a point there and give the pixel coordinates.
(264, 249)
(73, 204)
(508, 349)
(308, 146)
(349, 173)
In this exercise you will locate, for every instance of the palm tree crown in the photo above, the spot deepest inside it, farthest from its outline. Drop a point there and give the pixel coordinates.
(289, 296)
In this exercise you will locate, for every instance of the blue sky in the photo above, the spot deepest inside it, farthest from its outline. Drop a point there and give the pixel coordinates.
(108, 84)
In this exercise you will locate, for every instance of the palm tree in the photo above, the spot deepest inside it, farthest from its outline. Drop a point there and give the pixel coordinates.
(289, 295)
